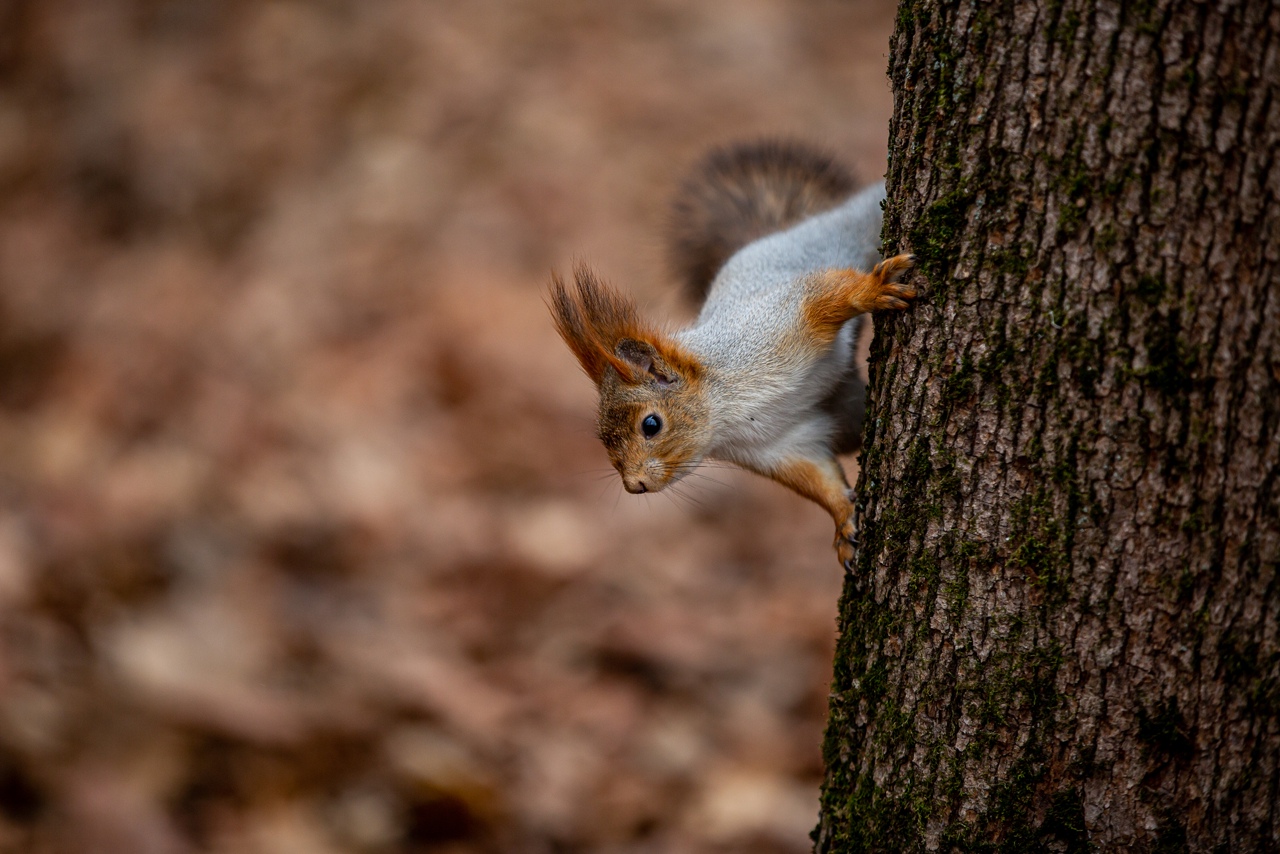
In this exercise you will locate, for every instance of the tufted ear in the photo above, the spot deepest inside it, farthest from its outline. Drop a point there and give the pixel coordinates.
(585, 315)
(604, 330)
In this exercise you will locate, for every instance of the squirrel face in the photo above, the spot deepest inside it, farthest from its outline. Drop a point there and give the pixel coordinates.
(653, 417)
(653, 430)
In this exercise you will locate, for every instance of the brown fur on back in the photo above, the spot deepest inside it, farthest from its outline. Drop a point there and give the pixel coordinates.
(742, 193)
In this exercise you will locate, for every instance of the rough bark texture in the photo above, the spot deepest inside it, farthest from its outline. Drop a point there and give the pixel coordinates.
(1062, 633)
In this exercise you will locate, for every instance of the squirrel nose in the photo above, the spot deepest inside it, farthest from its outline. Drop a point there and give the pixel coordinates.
(635, 487)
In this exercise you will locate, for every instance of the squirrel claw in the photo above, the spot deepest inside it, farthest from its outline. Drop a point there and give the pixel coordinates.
(846, 543)
(891, 270)
(844, 552)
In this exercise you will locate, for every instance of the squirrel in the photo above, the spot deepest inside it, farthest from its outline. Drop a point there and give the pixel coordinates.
(774, 239)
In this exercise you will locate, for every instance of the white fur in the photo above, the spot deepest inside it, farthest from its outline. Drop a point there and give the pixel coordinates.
(766, 406)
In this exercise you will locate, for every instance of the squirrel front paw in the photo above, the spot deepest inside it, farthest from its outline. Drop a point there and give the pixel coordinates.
(889, 272)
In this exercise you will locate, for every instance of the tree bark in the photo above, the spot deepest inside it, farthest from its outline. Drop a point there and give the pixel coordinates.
(1063, 630)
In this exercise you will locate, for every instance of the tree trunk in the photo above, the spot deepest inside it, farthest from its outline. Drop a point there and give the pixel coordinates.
(1063, 631)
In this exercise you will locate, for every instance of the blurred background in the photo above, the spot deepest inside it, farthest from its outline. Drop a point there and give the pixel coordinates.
(306, 544)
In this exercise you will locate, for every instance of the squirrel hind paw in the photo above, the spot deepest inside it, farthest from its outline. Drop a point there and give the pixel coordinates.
(846, 542)
(845, 551)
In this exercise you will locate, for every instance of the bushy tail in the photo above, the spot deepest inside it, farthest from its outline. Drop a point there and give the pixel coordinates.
(743, 192)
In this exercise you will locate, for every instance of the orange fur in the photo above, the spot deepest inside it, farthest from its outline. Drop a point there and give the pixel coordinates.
(821, 481)
(605, 331)
(833, 297)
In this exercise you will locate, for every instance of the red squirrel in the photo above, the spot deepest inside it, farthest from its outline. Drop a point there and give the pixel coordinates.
(786, 255)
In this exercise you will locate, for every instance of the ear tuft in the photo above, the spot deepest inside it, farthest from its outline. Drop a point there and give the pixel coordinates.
(576, 330)
(604, 330)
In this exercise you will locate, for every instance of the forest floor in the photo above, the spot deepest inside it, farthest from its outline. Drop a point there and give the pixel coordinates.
(306, 544)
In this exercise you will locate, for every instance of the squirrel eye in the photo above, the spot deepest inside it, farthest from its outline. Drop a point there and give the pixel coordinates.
(650, 426)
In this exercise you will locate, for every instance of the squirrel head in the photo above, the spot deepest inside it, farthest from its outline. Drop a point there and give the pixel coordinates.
(653, 417)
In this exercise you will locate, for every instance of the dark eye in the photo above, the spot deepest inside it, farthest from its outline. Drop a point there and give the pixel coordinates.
(650, 426)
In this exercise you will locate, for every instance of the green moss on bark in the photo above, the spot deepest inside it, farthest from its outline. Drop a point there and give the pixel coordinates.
(1056, 372)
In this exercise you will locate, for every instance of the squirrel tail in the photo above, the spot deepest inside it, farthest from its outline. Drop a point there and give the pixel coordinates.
(743, 192)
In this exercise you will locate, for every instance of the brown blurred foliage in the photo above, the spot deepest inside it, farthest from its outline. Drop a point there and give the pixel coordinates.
(305, 541)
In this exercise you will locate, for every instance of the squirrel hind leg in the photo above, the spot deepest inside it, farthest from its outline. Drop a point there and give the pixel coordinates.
(822, 480)
(743, 192)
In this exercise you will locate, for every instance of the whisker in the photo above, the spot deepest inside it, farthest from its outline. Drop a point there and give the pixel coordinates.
(710, 464)
(602, 490)
(686, 474)
(690, 501)
(678, 499)
(703, 479)
(674, 498)
(687, 467)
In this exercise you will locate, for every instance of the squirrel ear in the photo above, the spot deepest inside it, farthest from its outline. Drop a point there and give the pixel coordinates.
(647, 361)
(604, 331)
